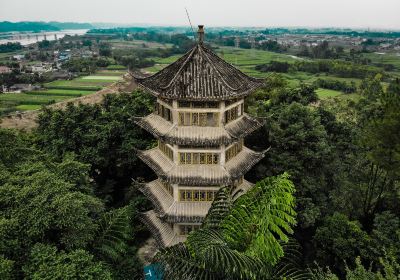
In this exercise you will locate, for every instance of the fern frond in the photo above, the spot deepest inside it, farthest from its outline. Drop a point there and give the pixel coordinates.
(113, 231)
(219, 208)
(178, 263)
(262, 218)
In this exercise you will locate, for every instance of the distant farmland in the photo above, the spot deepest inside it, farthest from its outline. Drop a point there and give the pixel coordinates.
(57, 91)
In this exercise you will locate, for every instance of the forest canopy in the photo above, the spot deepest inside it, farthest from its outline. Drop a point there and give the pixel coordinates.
(69, 206)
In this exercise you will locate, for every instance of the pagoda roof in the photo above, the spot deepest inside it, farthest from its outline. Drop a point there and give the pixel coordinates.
(181, 211)
(200, 174)
(199, 74)
(174, 211)
(162, 231)
(197, 135)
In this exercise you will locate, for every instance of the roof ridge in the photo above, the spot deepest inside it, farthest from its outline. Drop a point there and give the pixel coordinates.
(182, 66)
(216, 70)
(210, 52)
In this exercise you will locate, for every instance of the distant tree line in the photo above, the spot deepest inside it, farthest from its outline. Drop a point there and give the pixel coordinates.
(10, 47)
(340, 68)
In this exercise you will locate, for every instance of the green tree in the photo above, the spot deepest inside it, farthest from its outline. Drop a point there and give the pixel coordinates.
(340, 241)
(102, 135)
(46, 262)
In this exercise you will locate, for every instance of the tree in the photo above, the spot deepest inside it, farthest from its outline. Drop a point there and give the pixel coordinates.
(340, 241)
(299, 145)
(102, 135)
(46, 262)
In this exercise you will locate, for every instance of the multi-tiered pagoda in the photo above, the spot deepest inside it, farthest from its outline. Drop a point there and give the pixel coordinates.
(200, 124)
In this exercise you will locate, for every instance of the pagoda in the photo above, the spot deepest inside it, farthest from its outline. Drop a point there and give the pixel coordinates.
(200, 124)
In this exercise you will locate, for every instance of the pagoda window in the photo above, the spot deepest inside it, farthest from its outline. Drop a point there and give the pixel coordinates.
(202, 119)
(196, 195)
(233, 114)
(163, 111)
(233, 150)
(212, 119)
(198, 119)
(198, 158)
(166, 150)
(186, 229)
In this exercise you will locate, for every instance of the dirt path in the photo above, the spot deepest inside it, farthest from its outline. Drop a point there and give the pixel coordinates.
(27, 120)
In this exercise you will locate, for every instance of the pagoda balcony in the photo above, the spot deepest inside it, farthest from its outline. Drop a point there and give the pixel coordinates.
(174, 211)
(161, 231)
(201, 174)
(182, 212)
(198, 135)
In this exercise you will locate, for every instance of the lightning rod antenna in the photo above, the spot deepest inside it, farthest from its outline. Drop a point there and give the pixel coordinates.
(191, 26)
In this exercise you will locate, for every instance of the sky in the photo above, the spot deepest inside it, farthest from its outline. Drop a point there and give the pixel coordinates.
(374, 14)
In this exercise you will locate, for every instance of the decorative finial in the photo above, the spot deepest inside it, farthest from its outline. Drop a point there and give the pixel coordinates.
(200, 33)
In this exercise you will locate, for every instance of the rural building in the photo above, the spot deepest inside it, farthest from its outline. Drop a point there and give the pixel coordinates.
(18, 57)
(200, 125)
(23, 88)
(40, 68)
(5, 70)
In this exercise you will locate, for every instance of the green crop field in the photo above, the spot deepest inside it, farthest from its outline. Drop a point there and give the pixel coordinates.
(24, 98)
(27, 107)
(385, 58)
(61, 92)
(327, 93)
(100, 78)
(109, 73)
(138, 44)
(57, 91)
(116, 67)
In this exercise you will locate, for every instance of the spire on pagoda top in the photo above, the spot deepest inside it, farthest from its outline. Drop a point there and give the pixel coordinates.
(200, 74)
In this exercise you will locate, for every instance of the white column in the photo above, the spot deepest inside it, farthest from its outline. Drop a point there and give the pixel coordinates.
(175, 112)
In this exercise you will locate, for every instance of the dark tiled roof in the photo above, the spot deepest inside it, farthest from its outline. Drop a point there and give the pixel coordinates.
(199, 75)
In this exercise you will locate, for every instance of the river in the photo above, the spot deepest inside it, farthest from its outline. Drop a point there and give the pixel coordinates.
(26, 38)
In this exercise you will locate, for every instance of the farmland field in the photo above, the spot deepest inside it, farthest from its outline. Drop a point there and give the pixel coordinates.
(57, 91)
(137, 44)
(326, 93)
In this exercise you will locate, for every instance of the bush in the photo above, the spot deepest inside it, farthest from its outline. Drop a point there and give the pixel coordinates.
(336, 85)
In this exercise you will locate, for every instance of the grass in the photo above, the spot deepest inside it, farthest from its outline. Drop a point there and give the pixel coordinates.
(387, 58)
(116, 67)
(26, 107)
(24, 98)
(61, 92)
(109, 73)
(327, 93)
(102, 78)
(138, 44)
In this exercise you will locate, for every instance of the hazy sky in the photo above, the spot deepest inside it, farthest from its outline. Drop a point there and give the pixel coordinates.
(309, 13)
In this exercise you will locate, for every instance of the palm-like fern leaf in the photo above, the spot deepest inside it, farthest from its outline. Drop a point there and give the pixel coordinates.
(261, 219)
(220, 208)
(114, 229)
(211, 251)
(178, 263)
